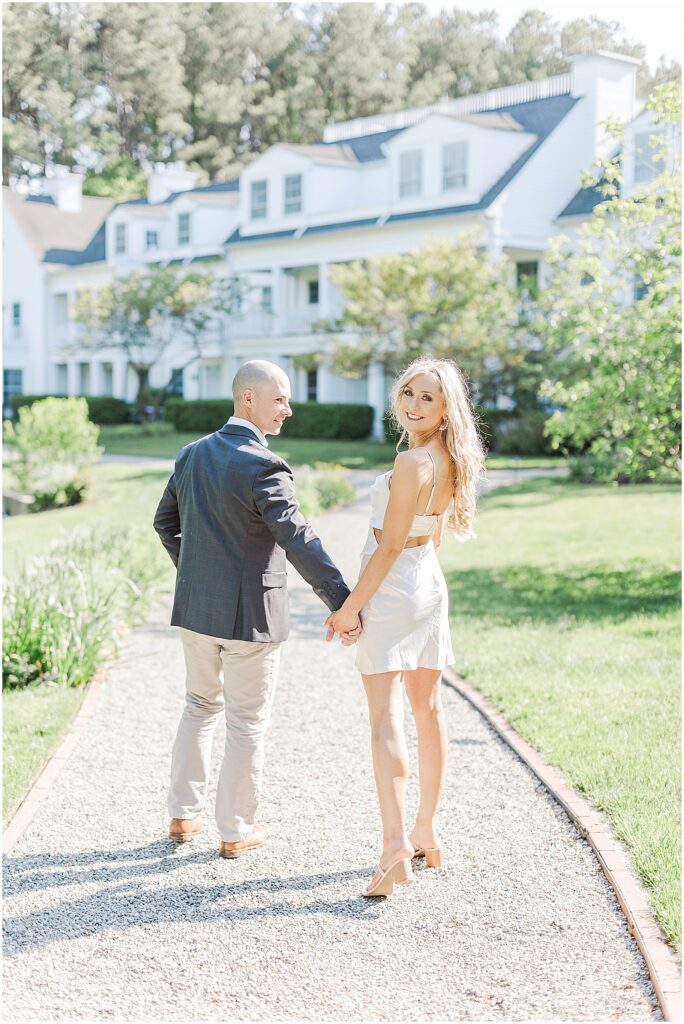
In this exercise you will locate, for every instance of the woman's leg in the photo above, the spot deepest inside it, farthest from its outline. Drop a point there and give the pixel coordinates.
(423, 687)
(390, 760)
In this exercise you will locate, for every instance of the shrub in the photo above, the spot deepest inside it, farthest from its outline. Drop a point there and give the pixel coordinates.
(322, 487)
(54, 444)
(319, 420)
(64, 612)
(102, 409)
(328, 420)
(199, 417)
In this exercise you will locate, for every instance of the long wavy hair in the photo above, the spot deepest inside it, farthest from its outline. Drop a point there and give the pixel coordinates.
(460, 436)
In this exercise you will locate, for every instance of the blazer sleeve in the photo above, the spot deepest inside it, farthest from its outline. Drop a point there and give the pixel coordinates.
(167, 520)
(274, 496)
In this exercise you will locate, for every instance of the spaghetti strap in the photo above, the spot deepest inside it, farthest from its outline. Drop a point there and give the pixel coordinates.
(434, 484)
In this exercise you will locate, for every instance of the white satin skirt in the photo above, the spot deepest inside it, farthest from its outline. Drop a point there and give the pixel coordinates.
(406, 622)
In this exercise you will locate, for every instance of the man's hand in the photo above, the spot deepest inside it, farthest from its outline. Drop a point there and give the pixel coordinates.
(347, 636)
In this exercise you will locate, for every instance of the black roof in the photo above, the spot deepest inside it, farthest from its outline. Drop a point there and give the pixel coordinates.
(538, 117)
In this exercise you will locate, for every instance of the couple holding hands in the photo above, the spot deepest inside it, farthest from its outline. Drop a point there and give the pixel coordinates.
(230, 521)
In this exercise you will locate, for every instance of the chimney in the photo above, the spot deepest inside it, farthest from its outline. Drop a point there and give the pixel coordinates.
(65, 187)
(166, 179)
(607, 83)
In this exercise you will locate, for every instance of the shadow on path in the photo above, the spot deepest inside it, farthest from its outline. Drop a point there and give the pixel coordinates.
(130, 904)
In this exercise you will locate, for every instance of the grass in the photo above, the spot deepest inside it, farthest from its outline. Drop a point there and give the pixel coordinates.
(34, 721)
(565, 614)
(161, 441)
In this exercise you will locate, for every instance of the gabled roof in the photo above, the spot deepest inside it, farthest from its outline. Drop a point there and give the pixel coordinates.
(585, 199)
(333, 153)
(57, 236)
(537, 117)
(217, 189)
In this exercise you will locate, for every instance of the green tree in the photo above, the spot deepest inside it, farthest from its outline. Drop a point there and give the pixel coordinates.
(145, 313)
(45, 86)
(613, 321)
(446, 299)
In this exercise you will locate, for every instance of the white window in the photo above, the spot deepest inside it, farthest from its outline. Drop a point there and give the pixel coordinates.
(313, 293)
(259, 197)
(454, 165)
(312, 385)
(293, 193)
(107, 378)
(62, 379)
(12, 384)
(61, 300)
(84, 378)
(184, 229)
(411, 173)
(151, 240)
(646, 165)
(267, 298)
(120, 239)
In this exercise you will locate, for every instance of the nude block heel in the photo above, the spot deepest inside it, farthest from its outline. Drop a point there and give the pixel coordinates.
(399, 873)
(433, 856)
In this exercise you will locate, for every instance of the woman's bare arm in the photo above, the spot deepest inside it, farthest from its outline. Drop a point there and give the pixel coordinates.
(411, 472)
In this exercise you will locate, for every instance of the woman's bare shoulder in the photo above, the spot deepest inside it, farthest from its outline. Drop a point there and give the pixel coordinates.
(414, 462)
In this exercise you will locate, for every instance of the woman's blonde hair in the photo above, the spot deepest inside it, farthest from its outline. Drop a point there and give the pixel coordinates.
(460, 436)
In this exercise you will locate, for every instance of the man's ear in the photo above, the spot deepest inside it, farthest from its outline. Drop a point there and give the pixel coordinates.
(247, 398)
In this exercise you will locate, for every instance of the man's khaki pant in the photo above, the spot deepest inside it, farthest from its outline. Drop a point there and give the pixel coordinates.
(250, 671)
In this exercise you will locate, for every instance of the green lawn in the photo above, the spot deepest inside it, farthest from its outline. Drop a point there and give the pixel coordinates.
(161, 441)
(565, 614)
(33, 723)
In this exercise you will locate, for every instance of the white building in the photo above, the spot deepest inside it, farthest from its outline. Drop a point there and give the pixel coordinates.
(506, 162)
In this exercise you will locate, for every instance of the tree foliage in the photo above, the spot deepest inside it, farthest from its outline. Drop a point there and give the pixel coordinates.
(109, 87)
(447, 299)
(143, 314)
(612, 320)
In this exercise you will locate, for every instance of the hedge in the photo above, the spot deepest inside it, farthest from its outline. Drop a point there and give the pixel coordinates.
(201, 416)
(318, 420)
(102, 409)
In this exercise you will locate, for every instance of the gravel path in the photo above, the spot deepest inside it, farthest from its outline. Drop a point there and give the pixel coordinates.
(105, 919)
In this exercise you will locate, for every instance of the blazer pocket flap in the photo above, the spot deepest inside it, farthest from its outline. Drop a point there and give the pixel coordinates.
(273, 579)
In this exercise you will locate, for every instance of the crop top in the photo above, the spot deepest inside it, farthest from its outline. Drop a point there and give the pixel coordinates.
(423, 525)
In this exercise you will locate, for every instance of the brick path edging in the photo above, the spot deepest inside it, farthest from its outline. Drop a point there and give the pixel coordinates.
(660, 960)
(29, 806)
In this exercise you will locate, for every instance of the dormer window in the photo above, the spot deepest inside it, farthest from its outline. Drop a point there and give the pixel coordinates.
(647, 165)
(151, 240)
(120, 239)
(454, 165)
(293, 193)
(411, 173)
(184, 229)
(259, 195)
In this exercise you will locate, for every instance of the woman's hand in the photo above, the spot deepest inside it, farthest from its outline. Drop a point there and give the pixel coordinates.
(344, 620)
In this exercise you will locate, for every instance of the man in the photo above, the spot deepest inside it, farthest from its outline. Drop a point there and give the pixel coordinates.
(229, 520)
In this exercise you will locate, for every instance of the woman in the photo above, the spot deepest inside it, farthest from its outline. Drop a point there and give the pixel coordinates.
(401, 596)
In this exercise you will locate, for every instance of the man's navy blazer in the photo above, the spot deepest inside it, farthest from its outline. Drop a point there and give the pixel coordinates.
(229, 519)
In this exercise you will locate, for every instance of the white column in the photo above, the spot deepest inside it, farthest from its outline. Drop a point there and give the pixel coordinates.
(279, 298)
(494, 235)
(119, 378)
(72, 377)
(323, 290)
(376, 397)
(324, 382)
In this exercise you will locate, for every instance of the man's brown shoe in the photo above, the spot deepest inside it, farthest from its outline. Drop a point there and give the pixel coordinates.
(183, 830)
(256, 837)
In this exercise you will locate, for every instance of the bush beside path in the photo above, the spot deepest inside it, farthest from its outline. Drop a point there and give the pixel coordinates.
(520, 924)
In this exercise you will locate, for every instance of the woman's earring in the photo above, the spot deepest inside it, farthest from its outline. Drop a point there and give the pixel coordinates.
(445, 423)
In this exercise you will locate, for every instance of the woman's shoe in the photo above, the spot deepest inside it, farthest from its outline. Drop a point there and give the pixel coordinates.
(399, 873)
(433, 856)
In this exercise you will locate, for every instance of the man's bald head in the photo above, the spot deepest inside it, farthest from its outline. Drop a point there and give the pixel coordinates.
(252, 376)
(261, 394)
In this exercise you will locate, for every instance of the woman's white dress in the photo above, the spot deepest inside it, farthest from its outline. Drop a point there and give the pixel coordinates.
(406, 621)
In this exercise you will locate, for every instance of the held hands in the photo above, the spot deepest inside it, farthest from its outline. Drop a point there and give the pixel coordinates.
(346, 623)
